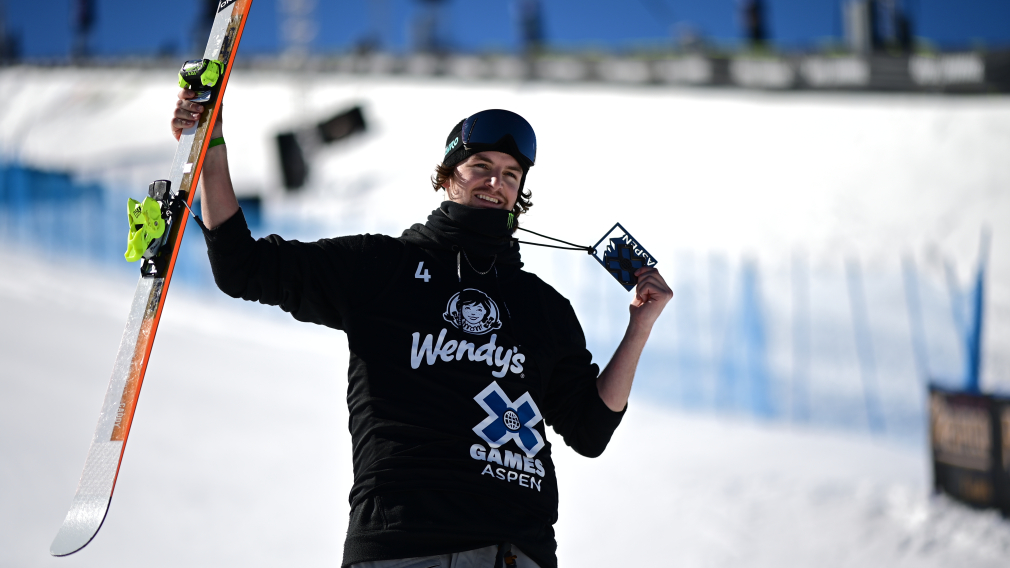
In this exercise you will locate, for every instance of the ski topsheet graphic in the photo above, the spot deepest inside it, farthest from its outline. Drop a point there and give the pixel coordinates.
(101, 468)
(622, 256)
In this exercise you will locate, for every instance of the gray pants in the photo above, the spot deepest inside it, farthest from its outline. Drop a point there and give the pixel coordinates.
(480, 558)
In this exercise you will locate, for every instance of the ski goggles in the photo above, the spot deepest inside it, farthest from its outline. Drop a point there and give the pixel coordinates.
(490, 129)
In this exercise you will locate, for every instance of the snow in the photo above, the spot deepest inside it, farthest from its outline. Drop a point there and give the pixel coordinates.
(239, 455)
(239, 452)
(695, 174)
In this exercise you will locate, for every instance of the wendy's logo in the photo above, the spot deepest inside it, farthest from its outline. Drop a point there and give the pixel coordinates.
(472, 311)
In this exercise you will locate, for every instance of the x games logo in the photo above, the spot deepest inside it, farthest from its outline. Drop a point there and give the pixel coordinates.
(507, 420)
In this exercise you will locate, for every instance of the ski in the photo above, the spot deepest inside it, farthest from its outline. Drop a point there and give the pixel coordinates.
(101, 468)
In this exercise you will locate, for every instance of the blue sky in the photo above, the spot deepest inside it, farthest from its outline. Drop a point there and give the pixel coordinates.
(145, 27)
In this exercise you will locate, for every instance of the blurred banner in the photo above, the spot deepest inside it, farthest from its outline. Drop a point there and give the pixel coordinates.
(970, 438)
(296, 148)
(951, 72)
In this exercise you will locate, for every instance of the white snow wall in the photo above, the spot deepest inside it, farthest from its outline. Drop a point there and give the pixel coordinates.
(746, 198)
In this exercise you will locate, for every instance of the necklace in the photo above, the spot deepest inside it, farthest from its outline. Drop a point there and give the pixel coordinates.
(493, 259)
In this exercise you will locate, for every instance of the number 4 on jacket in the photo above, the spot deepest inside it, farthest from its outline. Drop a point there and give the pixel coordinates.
(425, 276)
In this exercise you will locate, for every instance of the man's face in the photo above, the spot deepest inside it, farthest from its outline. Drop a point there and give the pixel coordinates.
(487, 179)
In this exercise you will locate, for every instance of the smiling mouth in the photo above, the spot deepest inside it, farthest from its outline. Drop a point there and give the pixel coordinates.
(488, 199)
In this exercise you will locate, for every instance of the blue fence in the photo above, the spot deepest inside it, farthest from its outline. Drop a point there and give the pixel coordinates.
(836, 348)
(53, 215)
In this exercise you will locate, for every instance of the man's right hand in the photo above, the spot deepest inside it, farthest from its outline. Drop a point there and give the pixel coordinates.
(187, 113)
(217, 200)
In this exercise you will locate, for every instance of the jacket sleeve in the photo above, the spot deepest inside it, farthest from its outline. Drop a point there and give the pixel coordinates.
(314, 282)
(572, 403)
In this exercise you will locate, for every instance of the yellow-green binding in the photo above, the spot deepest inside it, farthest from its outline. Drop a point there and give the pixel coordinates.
(204, 72)
(146, 225)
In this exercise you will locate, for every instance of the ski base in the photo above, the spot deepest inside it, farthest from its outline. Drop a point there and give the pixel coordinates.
(91, 503)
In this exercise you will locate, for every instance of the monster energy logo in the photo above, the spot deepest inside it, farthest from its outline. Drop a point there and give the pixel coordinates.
(511, 221)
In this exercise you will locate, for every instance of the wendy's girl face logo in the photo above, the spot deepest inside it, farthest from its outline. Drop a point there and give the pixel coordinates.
(472, 311)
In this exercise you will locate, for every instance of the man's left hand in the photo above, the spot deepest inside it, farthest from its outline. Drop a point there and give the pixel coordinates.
(651, 296)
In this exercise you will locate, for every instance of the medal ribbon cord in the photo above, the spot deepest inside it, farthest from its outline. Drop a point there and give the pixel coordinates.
(571, 246)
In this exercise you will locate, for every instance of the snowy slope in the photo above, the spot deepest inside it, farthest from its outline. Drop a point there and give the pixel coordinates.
(239, 453)
(239, 456)
(690, 172)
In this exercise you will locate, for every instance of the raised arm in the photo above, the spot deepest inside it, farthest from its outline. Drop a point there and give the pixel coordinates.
(217, 196)
(651, 296)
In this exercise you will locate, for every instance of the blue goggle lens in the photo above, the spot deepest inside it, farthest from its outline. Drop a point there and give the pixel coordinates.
(488, 127)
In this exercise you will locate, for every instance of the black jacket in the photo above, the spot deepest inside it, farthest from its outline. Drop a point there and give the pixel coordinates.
(453, 375)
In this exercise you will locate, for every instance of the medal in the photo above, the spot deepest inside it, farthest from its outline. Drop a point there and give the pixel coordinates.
(622, 256)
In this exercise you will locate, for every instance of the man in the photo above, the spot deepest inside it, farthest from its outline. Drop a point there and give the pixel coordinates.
(458, 358)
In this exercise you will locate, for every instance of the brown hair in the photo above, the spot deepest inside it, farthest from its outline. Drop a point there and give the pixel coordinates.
(443, 173)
